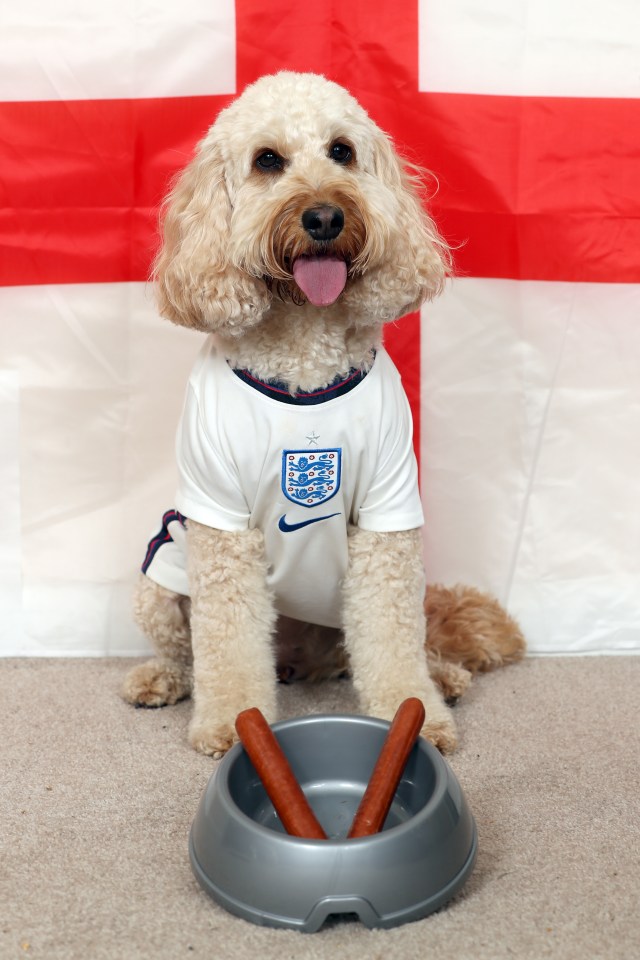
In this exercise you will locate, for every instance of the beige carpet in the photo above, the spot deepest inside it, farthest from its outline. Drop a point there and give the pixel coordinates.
(97, 799)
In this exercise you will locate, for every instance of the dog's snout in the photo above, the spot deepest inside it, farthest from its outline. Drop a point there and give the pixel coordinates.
(323, 223)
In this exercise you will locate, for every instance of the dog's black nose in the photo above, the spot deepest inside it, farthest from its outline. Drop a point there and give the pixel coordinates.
(323, 223)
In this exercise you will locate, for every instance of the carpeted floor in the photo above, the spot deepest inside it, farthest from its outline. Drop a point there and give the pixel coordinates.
(97, 799)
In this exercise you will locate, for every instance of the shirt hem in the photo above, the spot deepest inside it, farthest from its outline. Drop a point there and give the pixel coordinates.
(217, 521)
(392, 525)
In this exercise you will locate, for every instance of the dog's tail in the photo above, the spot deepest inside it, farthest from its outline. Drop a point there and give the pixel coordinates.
(470, 628)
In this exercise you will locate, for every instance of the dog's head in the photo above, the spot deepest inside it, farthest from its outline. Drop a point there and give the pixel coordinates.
(295, 192)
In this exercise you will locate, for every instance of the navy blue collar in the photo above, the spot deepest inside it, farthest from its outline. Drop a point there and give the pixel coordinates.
(279, 391)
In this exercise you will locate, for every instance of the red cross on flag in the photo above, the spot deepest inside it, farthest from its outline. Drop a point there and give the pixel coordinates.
(523, 377)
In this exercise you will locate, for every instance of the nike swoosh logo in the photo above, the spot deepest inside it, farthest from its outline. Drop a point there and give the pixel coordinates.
(289, 527)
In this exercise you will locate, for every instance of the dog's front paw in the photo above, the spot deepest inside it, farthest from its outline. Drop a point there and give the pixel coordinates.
(212, 739)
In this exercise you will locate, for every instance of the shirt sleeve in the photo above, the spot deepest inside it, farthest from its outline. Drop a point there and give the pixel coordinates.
(209, 489)
(392, 502)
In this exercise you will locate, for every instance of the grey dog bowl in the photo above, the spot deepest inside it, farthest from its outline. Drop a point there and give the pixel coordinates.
(242, 857)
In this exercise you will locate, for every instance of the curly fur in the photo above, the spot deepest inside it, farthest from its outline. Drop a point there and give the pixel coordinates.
(382, 634)
(232, 232)
(466, 632)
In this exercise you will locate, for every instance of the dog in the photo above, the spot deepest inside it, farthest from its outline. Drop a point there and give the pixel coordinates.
(468, 633)
(291, 239)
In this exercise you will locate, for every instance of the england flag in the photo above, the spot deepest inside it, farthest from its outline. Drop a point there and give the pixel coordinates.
(524, 377)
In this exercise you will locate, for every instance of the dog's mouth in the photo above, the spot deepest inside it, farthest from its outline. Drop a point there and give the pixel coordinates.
(315, 246)
(321, 278)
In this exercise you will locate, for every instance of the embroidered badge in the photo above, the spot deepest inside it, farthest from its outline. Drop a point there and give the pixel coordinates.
(310, 477)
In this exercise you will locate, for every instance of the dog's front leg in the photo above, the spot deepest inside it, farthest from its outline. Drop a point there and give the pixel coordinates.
(384, 626)
(232, 623)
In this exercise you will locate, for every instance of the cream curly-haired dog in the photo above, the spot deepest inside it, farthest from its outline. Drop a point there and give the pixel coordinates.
(293, 236)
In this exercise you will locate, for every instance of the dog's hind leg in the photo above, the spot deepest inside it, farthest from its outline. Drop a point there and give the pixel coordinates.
(163, 617)
(452, 679)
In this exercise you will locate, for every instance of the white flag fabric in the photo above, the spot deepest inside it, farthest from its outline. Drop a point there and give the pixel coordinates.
(523, 377)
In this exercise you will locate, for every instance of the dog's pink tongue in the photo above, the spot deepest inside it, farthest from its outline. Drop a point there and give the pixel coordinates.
(321, 279)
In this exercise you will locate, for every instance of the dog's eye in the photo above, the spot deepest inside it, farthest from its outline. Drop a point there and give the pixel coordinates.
(269, 160)
(341, 153)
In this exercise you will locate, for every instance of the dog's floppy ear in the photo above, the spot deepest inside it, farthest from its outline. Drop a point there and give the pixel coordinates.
(420, 258)
(197, 285)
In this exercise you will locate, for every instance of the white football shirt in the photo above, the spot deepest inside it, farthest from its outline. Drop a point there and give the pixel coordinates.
(299, 469)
